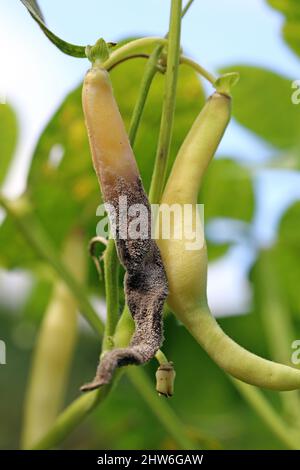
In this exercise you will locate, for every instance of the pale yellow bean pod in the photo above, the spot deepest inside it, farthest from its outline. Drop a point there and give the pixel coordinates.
(187, 269)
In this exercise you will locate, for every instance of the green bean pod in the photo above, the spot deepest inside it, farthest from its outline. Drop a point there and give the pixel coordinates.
(187, 269)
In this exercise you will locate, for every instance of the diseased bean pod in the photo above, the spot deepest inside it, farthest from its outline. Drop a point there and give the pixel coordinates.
(118, 175)
(187, 269)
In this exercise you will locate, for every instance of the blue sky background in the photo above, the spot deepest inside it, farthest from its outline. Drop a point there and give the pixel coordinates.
(215, 33)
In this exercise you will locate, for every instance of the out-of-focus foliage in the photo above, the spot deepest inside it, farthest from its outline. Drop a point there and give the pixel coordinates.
(215, 413)
(291, 26)
(228, 191)
(289, 227)
(262, 102)
(8, 138)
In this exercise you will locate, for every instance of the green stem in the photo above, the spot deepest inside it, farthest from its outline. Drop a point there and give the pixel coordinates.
(166, 127)
(148, 76)
(186, 8)
(111, 271)
(198, 68)
(164, 413)
(161, 357)
(129, 47)
(34, 233)
(262, 407)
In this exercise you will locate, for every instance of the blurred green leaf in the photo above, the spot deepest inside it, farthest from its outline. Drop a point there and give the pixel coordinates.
(228, 191)
(37, 301)
(291, 34)
(8, 138)
(262, 103)
(66, 47)
(15, 251)
(289, 227)
(290, 8)
(291, 27)
(214, 411)
(287, 255)
(215, 251)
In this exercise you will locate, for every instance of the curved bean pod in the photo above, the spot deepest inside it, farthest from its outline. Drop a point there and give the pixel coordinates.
(187, 269)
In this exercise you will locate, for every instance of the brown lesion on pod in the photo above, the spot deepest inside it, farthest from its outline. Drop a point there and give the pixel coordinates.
(145, 279)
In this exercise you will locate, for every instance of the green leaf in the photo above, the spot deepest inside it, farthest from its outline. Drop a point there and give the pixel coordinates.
(66, 47)
(287, 250)
(291, 34)
(290, 8)
(291, 27)
(262, 103)
(8, 138)
(15, 252)
(289, 227)
(288, 261)
(228, 191)
(215, 251)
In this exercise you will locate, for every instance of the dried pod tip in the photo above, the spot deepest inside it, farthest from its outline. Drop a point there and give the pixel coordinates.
(165, 376)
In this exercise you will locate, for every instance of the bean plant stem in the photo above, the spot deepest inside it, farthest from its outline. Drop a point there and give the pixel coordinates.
(161, 358)
(168, 111)
(111, 272)
(186, 8)
(149, 73)
(198, 68)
